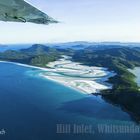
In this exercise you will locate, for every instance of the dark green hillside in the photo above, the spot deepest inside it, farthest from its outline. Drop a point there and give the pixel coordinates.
(125, 91)
(38, 49)
(15, 56)
(38, 55)
(125, 57)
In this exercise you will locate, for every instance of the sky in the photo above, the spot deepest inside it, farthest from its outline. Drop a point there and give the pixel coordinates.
(80, 20)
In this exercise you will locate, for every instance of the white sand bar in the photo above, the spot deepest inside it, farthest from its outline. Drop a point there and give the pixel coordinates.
(80, 77)
(83, 78)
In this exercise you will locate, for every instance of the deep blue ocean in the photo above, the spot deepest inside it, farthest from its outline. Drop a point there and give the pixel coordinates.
(31, 108)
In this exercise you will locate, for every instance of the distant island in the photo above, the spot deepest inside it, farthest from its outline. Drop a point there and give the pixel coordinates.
(117, 58)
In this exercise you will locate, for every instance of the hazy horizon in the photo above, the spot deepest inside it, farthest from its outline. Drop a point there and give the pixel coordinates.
(53, 43)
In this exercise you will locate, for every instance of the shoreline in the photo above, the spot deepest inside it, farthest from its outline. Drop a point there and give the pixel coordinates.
(105, 84)
(72, 87)
(63, 84)
(86, 79)
(25, 65)
(82, 85)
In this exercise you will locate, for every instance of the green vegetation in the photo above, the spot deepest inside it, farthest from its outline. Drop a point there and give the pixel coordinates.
(37, 55)
(125, 92)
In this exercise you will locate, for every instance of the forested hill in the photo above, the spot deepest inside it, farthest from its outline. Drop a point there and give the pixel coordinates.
(123, 57)
(38, 55)
(125, 92)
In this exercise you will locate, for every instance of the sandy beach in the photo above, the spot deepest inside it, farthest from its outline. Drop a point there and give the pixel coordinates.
(85, 79)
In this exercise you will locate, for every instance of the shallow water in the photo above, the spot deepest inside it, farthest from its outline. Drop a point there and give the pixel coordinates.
(83, 78)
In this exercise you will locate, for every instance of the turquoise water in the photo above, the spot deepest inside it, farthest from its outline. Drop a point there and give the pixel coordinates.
(31, 107)
(136, 72)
